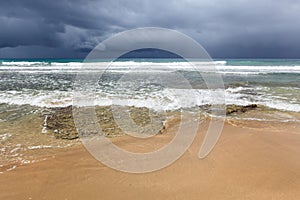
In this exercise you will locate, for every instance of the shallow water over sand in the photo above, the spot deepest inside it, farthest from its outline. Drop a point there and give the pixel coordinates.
(28, 134)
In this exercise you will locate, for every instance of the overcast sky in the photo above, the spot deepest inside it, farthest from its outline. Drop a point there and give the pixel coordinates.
(226, 28)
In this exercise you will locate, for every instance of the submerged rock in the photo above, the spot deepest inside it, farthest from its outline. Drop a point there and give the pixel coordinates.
(230, 109)
(113, 121)
(60, 121)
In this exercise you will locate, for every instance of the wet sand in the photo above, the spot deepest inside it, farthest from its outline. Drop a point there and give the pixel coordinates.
(250, 162)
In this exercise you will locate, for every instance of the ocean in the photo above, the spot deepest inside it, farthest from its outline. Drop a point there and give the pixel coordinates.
(274, 83)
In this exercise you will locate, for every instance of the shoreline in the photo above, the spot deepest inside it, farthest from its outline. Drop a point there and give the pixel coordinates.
(41, 131)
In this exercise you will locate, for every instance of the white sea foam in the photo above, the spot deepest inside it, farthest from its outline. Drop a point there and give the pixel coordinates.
(47, 146)
(37, 98)
(12, 168)
(221, 66)
(39, 147)
(167, 99)
(257, 69)
(21, 63)
(5, 136)
(17, 148)
(35, 67)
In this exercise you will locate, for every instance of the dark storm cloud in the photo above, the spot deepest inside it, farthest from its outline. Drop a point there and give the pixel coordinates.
(71, 28)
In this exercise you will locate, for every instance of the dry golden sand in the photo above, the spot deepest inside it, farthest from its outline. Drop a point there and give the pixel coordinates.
(247, 163)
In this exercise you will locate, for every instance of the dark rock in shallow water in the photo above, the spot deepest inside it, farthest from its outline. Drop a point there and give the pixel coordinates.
(60, 121)
(230, 109)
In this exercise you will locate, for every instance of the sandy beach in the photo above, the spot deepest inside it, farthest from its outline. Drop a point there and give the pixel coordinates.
(246, 163)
